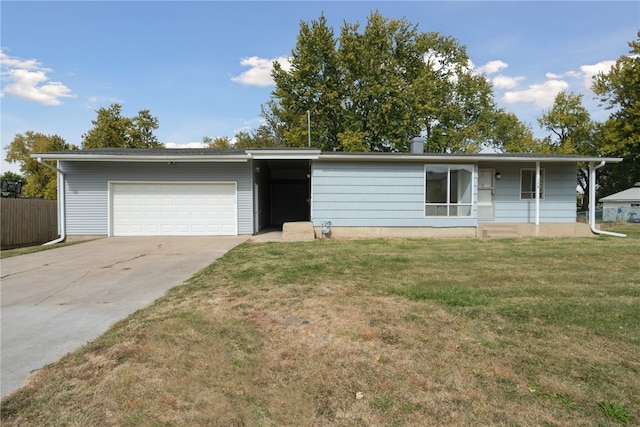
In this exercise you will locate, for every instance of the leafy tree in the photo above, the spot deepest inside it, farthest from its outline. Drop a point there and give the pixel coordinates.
(570, 126)
(273, 126)
(259, 138)
(313, 84)
(572, 132)
(619, 91)
(380, 65)
(40, 181)
(456, 105)
(220, 142)
(112, 129)
(10, 177)
(513, 136)
(263, 137)
(243, 140)
(376, 88)
(141, 131)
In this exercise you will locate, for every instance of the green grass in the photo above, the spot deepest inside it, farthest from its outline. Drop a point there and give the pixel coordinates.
(615, 412)
(8, 253)
(369, 332)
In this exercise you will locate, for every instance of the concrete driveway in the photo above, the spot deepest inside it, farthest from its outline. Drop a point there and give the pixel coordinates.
(57, 300)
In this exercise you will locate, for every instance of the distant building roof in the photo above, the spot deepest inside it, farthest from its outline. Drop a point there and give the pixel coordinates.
(629, 195)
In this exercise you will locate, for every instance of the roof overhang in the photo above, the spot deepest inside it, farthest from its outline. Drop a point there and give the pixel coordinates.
(463, 158)
(290, 154)
(240, 156)
(194, 158)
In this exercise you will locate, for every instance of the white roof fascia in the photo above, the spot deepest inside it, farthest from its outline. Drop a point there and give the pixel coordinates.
(314, 154)
(141, 158)
(307, 154)
(464, 159)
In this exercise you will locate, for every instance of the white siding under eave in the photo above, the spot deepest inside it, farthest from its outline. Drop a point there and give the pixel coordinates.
(87, 189)
(558, 204)
(353, 194)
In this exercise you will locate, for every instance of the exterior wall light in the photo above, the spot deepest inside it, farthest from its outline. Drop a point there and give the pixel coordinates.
(498, 175)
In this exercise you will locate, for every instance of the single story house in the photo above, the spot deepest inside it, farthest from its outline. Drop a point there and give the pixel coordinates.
(142, 192)
(622, 206)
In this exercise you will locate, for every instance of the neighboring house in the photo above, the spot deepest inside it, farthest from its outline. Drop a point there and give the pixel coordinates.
(622, 206)
(124, 192)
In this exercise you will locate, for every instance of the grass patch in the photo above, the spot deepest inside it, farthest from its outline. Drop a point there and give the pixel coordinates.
(369, 332)
(450, 295)
(8, 253)
(615, 412)
(383, 404)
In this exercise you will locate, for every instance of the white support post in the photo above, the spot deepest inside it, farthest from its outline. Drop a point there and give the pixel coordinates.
(592, 194)
(309, 127)
(537, 195)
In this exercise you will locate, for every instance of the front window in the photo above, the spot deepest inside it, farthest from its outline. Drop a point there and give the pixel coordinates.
(448, 190)
(528, 184)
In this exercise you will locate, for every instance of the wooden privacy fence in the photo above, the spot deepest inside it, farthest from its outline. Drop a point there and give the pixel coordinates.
(26, 222)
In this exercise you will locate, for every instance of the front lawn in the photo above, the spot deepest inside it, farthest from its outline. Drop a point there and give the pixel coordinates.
(369, 332)
(8, 253)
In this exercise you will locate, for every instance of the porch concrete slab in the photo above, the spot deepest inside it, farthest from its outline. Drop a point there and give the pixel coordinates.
(269, 236)
(55, 301)
(298, 231)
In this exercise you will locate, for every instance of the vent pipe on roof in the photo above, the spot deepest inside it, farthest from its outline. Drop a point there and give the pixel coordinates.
(417, 145)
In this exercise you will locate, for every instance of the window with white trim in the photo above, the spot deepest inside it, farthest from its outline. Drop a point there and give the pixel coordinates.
(448, 190)
(528, 184)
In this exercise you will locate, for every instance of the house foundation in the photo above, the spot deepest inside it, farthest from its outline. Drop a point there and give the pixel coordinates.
(509, 230)
(483, 230)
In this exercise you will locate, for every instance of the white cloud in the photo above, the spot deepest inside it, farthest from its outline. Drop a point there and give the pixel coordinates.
(554, 76)
(585, 73)
(589, 71)
(184, 145)
(259, 73)
(542, 95)
(94, 102)
(10, 62)
(506, 82)
(492, 67)
(29, 80)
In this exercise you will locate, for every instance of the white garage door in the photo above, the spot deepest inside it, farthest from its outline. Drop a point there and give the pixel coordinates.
(173, 209)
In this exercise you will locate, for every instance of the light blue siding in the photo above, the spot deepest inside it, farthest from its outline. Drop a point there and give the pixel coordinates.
(352, 194)
(349, 194)
(558, 204)
(87, 189)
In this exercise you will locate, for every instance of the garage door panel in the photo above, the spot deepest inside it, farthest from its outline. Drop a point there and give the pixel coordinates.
(173, 209)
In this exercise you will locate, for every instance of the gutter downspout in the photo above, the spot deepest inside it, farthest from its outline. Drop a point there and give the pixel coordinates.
(592, 201)
(61, 206)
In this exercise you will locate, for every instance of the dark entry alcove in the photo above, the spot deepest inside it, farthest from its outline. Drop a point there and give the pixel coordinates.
(282, 192)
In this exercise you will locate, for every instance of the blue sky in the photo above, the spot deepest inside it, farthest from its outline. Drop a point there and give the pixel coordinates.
(203, 67)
